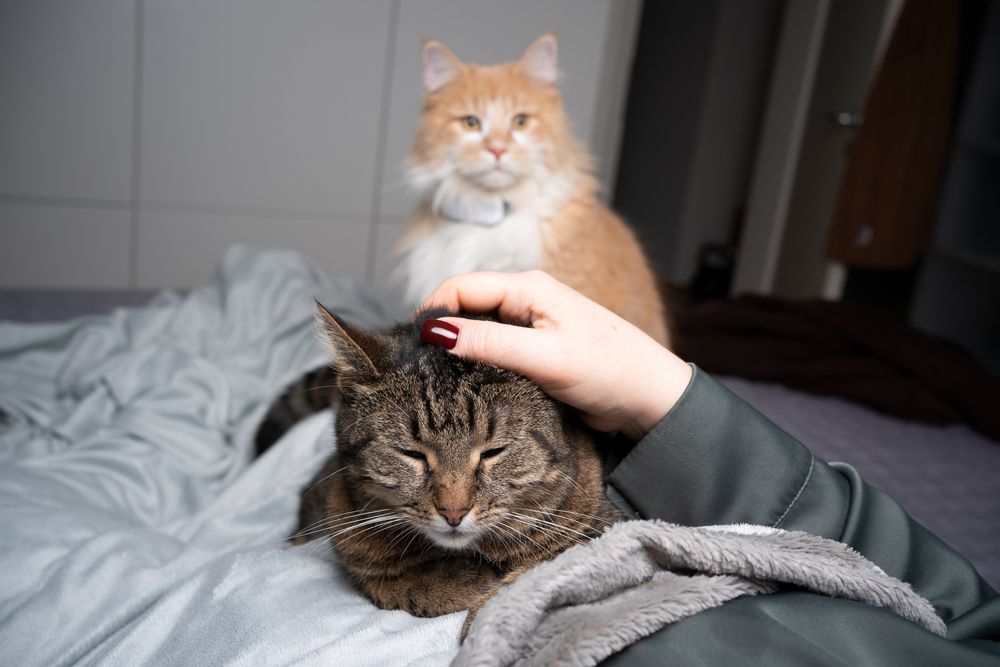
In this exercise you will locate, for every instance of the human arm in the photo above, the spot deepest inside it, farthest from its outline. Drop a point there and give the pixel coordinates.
(713, 459)
(709, 458)
(577, 351)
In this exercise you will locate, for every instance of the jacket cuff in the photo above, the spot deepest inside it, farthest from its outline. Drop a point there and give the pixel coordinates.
(714, 459)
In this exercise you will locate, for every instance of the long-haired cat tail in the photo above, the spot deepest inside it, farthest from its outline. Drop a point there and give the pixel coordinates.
(505, 186)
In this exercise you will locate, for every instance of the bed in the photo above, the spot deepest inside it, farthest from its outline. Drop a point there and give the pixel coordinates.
(138, 529)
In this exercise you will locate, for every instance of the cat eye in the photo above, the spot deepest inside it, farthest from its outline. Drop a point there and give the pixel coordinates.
(471, 122)
(490, 453)
(414, 454)
(520, 120)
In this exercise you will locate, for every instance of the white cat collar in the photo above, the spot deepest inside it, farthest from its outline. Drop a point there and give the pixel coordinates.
(488, 212)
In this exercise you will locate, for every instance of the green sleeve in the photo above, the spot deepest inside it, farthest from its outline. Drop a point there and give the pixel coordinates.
(715, 460)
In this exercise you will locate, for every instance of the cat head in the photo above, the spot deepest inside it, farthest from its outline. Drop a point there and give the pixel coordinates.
(488, 130)
(452, 446)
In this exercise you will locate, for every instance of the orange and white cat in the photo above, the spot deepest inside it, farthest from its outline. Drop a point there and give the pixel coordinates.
(505, 186)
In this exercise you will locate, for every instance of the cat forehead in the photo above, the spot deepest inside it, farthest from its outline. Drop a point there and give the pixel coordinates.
(413, 369)
(443, 374)
(434, 381)
(506, 84)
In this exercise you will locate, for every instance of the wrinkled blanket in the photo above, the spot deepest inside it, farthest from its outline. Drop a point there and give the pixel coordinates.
(593, 600)
(134, 527)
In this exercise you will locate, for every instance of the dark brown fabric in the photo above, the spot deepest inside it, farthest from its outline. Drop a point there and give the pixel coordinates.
(840, 349)
(887, 199)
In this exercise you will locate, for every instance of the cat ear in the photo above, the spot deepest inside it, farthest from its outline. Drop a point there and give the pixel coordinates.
(541, 60)
(356, 355)
(440, 64)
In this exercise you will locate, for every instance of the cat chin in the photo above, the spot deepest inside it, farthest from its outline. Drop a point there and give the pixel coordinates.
(495, 180)
(455, 540)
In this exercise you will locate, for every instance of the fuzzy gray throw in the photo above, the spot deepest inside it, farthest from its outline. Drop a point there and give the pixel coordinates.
(595, 599)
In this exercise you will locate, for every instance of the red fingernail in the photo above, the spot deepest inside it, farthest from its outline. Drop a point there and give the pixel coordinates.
(440, 333)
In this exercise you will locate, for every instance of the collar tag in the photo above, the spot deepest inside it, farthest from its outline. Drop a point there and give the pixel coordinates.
(487, 212)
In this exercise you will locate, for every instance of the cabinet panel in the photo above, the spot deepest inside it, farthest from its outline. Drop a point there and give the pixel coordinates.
(272, 105)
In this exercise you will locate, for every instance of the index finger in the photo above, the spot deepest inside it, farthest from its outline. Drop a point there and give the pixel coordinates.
(513, 295)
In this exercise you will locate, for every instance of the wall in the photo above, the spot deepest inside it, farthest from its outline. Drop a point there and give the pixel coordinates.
(140, 138)
(856, 32)
(958, 288)
(702, 69)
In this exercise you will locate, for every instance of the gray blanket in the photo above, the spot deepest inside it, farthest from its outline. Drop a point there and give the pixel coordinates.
(596, 599)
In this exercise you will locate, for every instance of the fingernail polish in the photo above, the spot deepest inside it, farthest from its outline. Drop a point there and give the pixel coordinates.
(440, 333)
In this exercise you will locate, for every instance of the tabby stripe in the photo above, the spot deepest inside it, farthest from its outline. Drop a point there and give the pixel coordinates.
(470, 411)
(428, 402)
(491, 424)
(415, 427)
(544, 441)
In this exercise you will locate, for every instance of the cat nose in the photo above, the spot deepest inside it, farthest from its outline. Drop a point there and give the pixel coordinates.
(497, 150)
(453, 517)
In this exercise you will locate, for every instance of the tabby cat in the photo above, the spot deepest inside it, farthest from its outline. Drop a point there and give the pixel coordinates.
(505, 186)
(450, 477)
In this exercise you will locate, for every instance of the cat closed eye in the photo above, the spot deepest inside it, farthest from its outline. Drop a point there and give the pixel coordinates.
(414, 454)
(470, 122)
(490, 453)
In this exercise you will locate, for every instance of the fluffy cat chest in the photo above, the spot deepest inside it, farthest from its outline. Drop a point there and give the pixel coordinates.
(450, 247)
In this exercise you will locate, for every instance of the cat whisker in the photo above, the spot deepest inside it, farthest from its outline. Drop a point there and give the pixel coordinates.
(341, 515)
(506, 539)
(501, 525)
(407, 530)
(307, 390)
(372, 532)
(360, 512)
(319, 387)
(346, 429)
(345, 517)
(333, 526)
(367, 521)
(314, 546)
(542, 523)
(570, 515)
(325, 529)
(365, 534)
(377, 525)
(416, 534)
(320, 481)
(523, 535)
(573, 482)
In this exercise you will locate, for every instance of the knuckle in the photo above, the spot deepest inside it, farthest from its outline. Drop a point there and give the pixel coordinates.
(475, 340)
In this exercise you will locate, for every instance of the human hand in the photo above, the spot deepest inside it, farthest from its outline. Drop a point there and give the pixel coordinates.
(577, 351)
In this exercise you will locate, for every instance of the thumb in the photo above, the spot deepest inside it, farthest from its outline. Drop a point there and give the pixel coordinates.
(516, 348)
